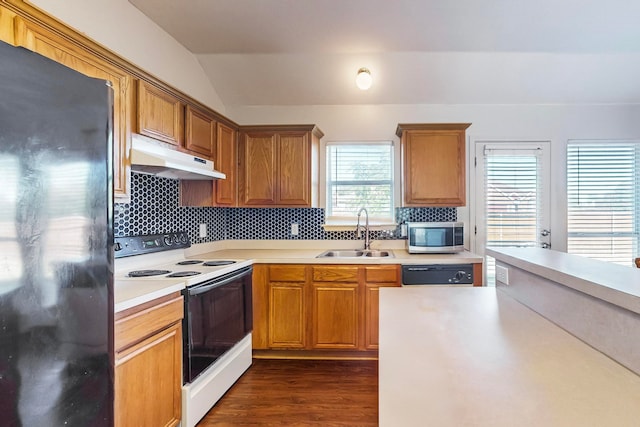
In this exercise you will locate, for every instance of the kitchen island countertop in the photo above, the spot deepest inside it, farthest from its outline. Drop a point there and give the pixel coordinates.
(613, 283)
(477, 357)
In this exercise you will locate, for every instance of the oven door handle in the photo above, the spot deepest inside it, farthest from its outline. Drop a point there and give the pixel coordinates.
(206, 287)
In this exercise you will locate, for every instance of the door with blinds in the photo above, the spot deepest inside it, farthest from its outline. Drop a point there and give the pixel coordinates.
(512, 197)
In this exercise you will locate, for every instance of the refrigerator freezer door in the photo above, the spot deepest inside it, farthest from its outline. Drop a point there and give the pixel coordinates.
(56, 262)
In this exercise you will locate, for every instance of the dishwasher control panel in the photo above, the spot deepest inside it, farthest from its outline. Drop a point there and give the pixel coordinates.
(437, 274)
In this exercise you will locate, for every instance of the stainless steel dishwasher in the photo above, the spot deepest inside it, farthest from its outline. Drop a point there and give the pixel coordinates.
(437, 274)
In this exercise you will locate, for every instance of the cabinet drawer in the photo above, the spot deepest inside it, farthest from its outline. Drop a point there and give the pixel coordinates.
(335, 274)
(136, 326)
(287, 273)
(386, 274)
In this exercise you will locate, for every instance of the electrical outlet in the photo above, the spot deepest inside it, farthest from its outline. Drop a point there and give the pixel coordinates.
(294, 229)
(203, 231)
(502, 274)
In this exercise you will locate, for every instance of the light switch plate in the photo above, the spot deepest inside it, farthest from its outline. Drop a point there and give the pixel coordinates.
(203, 230)
(294, 229)
(502, 274)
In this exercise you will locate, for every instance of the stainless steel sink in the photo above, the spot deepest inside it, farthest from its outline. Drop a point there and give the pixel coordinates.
(355, 253)
(378, 254)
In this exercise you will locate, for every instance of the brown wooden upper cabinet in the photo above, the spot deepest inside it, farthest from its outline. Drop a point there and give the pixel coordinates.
(434, 163)
(200, 132)
(160, 114)
(226, 161)
(6, 26)
(73, 55)
(220, 192)
(278, 166)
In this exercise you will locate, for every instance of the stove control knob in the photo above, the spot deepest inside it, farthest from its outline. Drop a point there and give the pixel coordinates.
(168, 240)
(183, 239)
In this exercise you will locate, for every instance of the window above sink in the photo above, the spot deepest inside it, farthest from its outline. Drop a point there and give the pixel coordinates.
(359, 174)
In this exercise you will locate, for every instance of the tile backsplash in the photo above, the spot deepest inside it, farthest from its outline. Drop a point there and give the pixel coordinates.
(155, 209)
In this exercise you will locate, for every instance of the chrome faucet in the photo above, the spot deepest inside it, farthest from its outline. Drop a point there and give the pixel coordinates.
(367, 240)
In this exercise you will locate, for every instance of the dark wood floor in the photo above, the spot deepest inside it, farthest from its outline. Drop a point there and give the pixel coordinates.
(301, 393)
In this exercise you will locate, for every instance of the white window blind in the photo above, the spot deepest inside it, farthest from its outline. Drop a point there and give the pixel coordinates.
(360, 175)
(513, 195)
(603, 207)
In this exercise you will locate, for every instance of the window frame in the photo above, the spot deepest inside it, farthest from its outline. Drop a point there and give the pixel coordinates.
(348, 222)
(635, 233)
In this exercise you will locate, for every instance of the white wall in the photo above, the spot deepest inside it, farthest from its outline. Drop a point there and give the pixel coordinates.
(119, 26)
(555, 123)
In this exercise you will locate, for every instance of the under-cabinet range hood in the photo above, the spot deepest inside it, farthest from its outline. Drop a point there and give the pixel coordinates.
(149, 157)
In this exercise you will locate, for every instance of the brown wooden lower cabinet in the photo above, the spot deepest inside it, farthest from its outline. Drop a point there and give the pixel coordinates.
(335, 316)
(148, 364)
(286, 315)
(306, 309)
(372, 299)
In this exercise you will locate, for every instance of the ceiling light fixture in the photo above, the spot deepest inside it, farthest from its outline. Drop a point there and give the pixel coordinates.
(363, 79)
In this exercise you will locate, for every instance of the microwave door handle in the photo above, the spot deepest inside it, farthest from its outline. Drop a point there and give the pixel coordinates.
(206, 287)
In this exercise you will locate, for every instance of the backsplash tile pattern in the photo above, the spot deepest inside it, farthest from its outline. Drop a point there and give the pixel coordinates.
(154, 209)
(274, 223)
(426, 214)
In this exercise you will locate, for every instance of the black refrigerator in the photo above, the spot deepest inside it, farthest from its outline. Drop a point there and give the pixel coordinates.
(56, 241)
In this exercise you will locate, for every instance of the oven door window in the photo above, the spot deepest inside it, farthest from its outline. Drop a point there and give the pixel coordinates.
(215, 321)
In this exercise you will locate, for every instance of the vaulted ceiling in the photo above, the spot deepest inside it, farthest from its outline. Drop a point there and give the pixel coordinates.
(307, 52)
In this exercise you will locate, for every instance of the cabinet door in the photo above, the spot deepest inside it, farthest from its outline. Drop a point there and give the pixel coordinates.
(260, 300)
(6, 26)
(160, 115)
(226, 161)
(148, 379)
(294, 174)
(287, 319)
(336, 311)
(434, 164)
(376, 277)
(335, 315)
(257, 185)
(54, 47)
(200, 132)
(371, 315)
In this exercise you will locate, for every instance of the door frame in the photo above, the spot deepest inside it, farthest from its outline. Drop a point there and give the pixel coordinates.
(476, 218)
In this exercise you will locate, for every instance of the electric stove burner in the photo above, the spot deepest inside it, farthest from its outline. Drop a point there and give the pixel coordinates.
(147, 273)
(184, 274)
(218, 263)
(189, 262)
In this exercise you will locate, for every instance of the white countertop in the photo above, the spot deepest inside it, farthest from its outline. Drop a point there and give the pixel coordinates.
(129, 293)
(476, 357)
(308, 256)
(610, 282)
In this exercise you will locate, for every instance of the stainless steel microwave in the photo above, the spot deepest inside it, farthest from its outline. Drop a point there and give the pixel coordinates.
(435, 237)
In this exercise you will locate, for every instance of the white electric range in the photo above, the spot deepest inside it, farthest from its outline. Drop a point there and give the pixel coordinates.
(218, 320)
